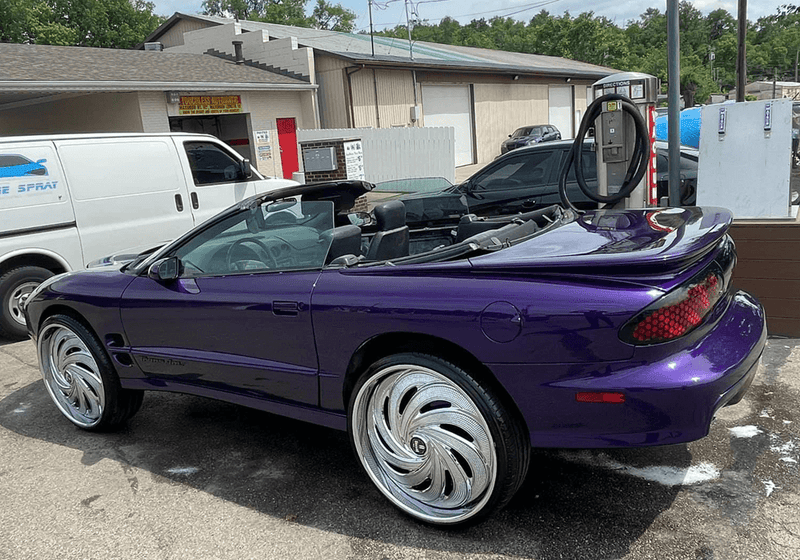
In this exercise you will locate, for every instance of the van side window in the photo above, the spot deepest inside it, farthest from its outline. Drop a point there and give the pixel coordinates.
(211, 165)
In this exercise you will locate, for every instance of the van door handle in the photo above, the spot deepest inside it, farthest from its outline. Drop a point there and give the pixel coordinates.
(179, 203)
(195, 203)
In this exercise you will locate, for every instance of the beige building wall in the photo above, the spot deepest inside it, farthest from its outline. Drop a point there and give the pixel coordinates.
(332, 93)
(502, 108)
(395, 97)
(153, 108)
(100, 112)
(174, 37)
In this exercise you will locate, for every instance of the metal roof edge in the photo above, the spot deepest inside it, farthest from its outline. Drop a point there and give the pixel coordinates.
(26, 85)
(475, 67)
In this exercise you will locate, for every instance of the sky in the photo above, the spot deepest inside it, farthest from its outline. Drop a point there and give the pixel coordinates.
(389, 13)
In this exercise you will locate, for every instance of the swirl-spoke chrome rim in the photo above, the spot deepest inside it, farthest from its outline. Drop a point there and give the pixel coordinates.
(71, 375)
(424, 443)
(17, 300)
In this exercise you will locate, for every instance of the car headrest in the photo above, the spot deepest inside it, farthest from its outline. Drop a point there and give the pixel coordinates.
(390, 215)
(345, 240)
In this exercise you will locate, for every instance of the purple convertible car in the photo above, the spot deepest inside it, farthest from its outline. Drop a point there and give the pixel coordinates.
(445, 353)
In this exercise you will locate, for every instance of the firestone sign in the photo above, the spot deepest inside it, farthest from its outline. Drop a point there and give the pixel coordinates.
(209, 104)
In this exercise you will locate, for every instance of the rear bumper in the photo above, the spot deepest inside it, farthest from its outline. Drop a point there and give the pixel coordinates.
(669, 400)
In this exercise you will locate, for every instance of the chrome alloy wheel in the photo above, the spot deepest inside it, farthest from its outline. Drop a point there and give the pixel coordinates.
(17, 300)
(71, 375)
(424, 443)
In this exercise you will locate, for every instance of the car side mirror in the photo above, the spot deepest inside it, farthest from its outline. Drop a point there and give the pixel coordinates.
(509, 136)
(246, 169)
(164, 270)
(41, 161)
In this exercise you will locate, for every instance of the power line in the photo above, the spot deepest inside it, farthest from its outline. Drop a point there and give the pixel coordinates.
(515, 10)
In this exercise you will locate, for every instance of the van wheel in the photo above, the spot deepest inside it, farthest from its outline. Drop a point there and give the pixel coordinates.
(15, 287)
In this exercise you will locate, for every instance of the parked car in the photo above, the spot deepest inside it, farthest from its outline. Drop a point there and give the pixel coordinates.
(529, 135)
(446, 364)
(527, 179)
(66, 200)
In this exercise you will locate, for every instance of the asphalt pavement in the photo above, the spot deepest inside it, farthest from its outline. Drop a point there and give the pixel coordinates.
(191, 478)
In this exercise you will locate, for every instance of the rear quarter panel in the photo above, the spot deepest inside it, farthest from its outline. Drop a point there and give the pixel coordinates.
(561, 320)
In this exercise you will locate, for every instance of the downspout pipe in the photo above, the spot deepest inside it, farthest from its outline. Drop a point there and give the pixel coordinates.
(377, 105)
(349, 72)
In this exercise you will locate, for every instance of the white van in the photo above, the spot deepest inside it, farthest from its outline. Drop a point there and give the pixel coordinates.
(67, 200)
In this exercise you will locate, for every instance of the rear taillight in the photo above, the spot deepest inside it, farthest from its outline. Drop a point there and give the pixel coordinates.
(677, 313)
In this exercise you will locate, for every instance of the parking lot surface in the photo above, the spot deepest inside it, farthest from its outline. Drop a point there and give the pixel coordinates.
(195, 478)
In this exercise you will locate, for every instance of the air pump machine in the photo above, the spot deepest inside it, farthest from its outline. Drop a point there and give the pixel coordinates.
(623, 116)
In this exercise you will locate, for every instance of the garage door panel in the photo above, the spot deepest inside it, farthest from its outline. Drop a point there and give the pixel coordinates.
(451, 106)
(560, 113)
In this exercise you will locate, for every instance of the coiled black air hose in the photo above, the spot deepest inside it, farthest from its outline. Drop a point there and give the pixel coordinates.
(636, 169)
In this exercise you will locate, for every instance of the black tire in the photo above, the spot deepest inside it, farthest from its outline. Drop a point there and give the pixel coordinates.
(14, 285)
(396, 390)
(77, 371)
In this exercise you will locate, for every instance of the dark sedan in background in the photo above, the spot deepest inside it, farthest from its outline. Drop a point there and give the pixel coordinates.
(527, 179)
(530, 135)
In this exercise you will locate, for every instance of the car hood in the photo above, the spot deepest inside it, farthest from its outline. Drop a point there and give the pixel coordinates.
(520, 141)
(653, 239)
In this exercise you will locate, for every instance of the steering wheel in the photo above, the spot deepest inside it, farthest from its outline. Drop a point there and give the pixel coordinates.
(255, 241)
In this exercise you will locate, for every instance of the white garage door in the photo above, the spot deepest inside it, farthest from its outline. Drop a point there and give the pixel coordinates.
(451, 106)
(561, 109)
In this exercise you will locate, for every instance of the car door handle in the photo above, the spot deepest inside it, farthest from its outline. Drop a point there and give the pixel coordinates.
(179, 203)
(195, 203)
(285, 308)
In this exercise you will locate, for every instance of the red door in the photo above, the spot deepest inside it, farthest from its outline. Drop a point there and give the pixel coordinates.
(287, 139)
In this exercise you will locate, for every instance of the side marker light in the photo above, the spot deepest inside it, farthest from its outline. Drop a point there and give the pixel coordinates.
(614, 398)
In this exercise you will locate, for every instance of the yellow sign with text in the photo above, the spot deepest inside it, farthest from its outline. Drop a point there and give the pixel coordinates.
(209, 104)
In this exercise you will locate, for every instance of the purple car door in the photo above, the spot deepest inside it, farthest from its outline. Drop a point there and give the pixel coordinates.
(239, 316)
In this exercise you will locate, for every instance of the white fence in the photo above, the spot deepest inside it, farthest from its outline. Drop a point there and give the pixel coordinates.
(398, 153)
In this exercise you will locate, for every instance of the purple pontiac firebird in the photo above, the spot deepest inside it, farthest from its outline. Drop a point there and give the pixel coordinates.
(446, 352)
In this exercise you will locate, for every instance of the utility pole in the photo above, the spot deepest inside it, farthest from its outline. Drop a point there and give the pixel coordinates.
(371, 37)
(408, 26)
(774, 82)
(741, 59)
(674, 110)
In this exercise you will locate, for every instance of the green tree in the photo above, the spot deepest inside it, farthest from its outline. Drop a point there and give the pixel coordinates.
(287, 12)
(333, 17)
(86, 23)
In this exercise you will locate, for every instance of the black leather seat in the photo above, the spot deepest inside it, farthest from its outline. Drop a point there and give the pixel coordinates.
(345, 240)
(391, 240)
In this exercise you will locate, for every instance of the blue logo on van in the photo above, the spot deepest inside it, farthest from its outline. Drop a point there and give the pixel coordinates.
(13, 165)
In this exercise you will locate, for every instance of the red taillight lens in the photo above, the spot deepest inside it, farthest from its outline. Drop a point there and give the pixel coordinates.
(676, 318)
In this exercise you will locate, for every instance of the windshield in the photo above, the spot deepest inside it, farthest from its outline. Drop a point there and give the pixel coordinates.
(275, 235)
(527, 131)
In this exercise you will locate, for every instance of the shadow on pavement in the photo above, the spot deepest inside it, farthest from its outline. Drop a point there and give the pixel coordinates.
(289, 469)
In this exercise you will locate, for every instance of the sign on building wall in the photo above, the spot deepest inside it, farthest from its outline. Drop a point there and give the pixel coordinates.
(209, 104)
(354, 159)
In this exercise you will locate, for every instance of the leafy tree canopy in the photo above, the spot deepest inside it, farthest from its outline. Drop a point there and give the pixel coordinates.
(86, 23)
(325, 15)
